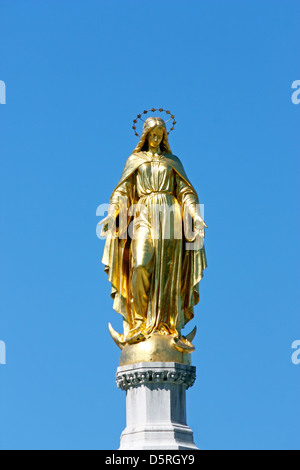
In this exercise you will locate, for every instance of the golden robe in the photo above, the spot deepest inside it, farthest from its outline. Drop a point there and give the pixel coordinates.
(154, 278)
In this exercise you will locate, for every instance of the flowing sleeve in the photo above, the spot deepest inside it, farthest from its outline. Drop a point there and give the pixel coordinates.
(119, 198)
(194, 262)
(186, 196)
(116, 250)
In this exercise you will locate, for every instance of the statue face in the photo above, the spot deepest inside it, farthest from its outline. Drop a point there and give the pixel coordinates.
(155, 137)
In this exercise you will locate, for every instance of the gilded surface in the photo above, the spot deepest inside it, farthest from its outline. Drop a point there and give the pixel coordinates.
(154, 276)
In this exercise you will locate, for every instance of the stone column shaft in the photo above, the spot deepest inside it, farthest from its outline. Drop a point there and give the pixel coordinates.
(156, 406)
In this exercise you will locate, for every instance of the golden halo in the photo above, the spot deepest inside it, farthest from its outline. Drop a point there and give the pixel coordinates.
(144, 113)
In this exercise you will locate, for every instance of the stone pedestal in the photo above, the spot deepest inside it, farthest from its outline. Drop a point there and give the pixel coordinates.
(156, 406)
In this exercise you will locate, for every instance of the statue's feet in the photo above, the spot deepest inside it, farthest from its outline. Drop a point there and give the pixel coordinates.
(135, 336)
(141, 333)
(165, 329)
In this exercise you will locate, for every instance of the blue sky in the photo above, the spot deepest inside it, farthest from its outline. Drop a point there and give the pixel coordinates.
(77, 73)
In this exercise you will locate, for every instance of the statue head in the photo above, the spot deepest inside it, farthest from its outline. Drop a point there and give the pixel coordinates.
(154, 124)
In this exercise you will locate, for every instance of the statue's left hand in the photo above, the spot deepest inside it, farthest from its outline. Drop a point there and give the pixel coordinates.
(199, 225)
(107, 223)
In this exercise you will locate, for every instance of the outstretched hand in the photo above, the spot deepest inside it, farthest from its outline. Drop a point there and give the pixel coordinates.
(199, 225)
(108, 223)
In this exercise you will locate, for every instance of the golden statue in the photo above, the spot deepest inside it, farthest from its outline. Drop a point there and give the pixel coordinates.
(154, 276)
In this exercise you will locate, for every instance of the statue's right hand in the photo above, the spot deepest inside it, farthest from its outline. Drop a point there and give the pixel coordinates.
(108, 223)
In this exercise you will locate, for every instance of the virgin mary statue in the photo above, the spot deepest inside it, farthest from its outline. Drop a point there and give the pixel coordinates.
(152, 265)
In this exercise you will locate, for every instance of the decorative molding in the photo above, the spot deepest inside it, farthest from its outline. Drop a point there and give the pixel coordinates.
(177, 374)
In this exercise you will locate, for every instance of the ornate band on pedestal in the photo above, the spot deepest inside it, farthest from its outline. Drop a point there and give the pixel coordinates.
(129, 376)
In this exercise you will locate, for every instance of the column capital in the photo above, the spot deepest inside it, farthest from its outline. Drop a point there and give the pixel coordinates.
(155, 373)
